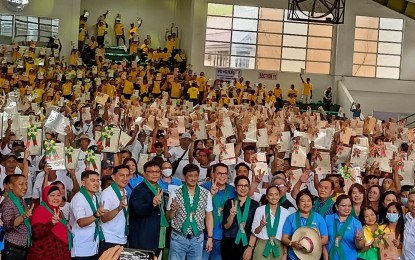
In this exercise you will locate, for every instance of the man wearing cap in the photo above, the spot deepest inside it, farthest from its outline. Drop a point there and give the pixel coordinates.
(200, 157)
(106, 168)
(180, 154)
(10, 166)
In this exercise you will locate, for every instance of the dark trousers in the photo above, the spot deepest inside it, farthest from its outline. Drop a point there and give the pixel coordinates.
(103, 246)
(327, 104)
(120, 37)
(14, 252)
(100, 40)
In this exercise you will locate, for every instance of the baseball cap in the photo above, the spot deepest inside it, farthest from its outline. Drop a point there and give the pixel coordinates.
(84, 136)
(206, 151)
(185, 135)
(106, 164)
(18, 143)
(10, 155)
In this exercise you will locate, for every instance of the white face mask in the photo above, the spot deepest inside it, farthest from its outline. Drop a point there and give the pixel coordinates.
(167, 172)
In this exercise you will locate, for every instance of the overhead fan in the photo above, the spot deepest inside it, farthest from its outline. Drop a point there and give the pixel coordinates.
(316, 8)
(329, 11)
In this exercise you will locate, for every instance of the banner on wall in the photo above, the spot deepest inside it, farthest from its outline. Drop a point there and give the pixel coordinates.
(228, 74)
(268, 76)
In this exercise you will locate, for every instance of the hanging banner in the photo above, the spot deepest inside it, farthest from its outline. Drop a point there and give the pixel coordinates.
(268, 76)
(228, 74)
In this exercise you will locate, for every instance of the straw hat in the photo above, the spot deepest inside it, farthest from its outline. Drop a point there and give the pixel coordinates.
(310, 239)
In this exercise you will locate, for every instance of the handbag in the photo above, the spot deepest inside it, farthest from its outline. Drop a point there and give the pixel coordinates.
(176, 163)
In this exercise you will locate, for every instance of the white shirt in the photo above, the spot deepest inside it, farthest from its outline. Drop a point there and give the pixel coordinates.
(177, 152)
(60, 176)
(260, 213)
(113, 229)
(84, 242)
(66, 210)
(80, 165)
(137, 148)
(408, 252)
(209, 206)
(87, 129)
(202, 171)
(6, 150)
(3, 174)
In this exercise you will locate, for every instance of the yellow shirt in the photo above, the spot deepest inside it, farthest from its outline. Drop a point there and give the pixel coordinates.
(308, 87)
(82, 34)
(67, 88)
(133, 48)
(119, 29)
(238, 85)
(156, 87)
(193, 92)
(169, 46)
(180, 57)
(133, 31)
(277, 92)
(175, 90)
(92, 45)
(128, 88)
(16, 55)
(101, 29)
(32, 78)
(164, 70)
(202, 82)
(293, 91)
(291, 101)
(144, 47)
(39, 94)
(270, 98)
(73, 59)
(143, 89)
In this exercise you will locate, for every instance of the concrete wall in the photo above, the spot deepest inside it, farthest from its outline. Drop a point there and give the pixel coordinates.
(66, 10)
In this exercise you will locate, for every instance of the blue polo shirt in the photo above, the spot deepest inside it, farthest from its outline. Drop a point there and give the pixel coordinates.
(137, 179)
(347, 242)
(218, 228)
(290, 226)
(165, 186)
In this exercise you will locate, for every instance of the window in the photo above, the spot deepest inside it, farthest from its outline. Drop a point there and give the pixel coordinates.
(263, 38)
(27, 28)
(377, 47)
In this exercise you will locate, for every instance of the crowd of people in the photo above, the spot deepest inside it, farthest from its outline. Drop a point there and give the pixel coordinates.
(95, 158)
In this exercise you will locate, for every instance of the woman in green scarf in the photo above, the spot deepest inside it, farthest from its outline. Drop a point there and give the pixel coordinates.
(267, 229)
(238, 215)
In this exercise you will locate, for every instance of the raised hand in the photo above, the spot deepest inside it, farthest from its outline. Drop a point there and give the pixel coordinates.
(305, 177)
(359, 235)
(123, 204)
(56, 216)
(214, 189)
(157, 199)
(29, 211)
(263, 222)
(233, 208)
(101, 210)
(174, 205)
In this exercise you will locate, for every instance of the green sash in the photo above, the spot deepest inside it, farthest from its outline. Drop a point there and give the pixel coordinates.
(282, 200)
(353, 213)
(337, 248)
(119, 196)
(61, 220)
(98, 230)
(26, 221)
(241, 218)
(325, 207)
(190, 211)
(218, 205)
(163, 220)
(309, 219)
(272, 232)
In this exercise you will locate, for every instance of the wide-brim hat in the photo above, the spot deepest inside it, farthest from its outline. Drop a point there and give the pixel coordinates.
(310, 239)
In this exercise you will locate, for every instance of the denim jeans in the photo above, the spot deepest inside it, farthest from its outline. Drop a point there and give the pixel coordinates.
(215, 254)
(183, 248)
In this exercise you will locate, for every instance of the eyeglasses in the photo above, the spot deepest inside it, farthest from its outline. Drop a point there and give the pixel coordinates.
(222, 173)
(152, 172)
(242, 186)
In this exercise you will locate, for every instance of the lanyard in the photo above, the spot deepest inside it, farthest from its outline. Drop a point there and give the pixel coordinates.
(98, 230)
(190, 210)
(241, 218)
(309, 219)
(271, 246)
(218, 205)
(119, 196)
(337, 247)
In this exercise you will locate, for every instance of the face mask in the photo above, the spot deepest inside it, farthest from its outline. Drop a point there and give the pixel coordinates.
(404, 201)
(233, 140)
(167, 172)
(392, 217)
